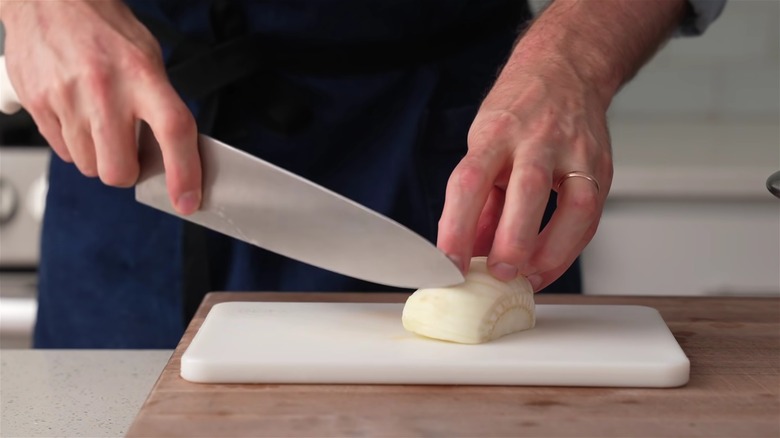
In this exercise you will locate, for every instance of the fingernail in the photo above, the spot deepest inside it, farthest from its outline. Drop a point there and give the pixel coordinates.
(188, 202)
(504, 271)
(456, 259)
(536, 281)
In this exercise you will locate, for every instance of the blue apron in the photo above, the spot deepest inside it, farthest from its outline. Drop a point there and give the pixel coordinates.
(385, 131)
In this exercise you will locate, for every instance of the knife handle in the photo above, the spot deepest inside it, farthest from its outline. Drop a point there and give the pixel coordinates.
(9, 101)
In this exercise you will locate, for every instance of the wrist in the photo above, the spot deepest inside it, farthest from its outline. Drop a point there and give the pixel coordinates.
(567, 55)
(602, 43)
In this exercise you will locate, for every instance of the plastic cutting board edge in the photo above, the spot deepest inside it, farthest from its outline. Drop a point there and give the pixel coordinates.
(361, 343)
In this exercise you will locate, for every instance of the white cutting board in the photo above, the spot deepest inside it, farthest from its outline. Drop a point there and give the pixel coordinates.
(351, 343)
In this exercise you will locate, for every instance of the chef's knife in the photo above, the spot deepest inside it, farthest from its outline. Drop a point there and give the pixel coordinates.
(255, 201)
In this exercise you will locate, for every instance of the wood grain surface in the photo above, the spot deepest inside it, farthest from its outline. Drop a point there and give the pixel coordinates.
(734, 390)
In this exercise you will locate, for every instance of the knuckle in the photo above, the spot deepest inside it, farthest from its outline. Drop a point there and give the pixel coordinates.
(101, 128)
(549, 127)
(498, 126)
(516, 249)
(146, 46)
(178, 124)
(544, 122)
(60, 91)
(583, 202)
(37, 103)
(469, 176)
(522, 248)
(144, 63)
(97, 79)
(533, 176)
(140, 67)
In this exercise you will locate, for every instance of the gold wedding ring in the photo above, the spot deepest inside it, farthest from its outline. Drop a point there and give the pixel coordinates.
(576, 174)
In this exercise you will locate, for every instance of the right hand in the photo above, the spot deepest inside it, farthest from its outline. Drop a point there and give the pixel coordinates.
(86, 71)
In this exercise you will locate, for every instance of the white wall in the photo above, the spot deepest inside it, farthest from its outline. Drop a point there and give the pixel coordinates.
(695, 135)
(732, 72)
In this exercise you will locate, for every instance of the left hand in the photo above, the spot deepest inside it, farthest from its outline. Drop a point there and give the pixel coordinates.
(538, 123)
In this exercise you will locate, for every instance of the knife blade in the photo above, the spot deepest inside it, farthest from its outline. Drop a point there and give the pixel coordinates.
(267, 206)
(257, 202)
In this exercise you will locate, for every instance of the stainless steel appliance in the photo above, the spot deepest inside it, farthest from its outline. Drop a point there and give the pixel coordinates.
(23, 184)
(23, 163)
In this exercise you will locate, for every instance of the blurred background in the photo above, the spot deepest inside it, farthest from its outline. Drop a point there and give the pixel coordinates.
(695, 136)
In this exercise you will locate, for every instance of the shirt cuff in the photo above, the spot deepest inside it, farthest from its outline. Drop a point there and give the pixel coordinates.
(701, 13)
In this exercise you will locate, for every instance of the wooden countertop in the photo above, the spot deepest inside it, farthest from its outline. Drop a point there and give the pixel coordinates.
(734, 389)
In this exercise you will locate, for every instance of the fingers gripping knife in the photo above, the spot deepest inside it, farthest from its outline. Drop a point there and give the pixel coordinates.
(255, 201)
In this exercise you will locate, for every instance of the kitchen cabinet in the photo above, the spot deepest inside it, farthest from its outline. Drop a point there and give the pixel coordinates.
(688, 212)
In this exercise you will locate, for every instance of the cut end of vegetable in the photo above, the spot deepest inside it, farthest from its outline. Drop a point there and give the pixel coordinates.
(478, 310)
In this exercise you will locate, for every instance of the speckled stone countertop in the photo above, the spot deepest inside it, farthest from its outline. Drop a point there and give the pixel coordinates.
(75, 393)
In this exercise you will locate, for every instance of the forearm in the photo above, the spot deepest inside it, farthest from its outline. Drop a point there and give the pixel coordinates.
(605, 42)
